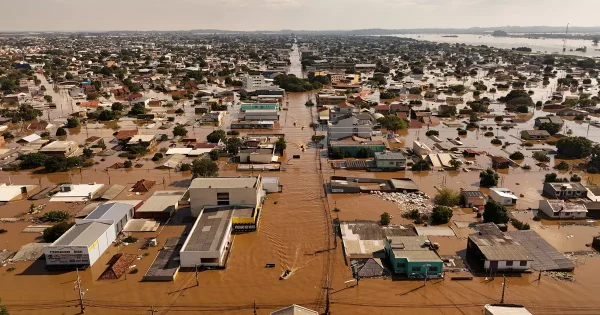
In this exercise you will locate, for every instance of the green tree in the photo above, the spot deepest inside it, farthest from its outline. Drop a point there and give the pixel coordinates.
(541, 156)
(280, 145)
(106, 115)
(117, 106)
(574, 147)
(385, 218)
(61, 132)
(488, 178)
(179, 131)
(494, 212)
(214, 155)
(101, 144)
(562, 166)
(33, 160)
(432, 133)
(441, 215)
(55, 216)
(61, 164)
(216, 136)
(137, 109)
(3, 309)
(232, 145)
(393, 123)
(48, 98)
(73, 122)
(447, 197)
(127, 164)
(54, 232)
(516, 156)
(204, 168)
(87, 153)
(421, 165)
(185, 167)
(552, 128)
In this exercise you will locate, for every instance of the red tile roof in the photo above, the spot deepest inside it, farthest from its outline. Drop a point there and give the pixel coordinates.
(345, 104)
(126, 134)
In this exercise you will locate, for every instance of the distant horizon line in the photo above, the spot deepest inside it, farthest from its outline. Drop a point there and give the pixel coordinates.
(480, 28)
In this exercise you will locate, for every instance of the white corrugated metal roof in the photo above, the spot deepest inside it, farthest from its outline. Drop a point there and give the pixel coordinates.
(184, 151)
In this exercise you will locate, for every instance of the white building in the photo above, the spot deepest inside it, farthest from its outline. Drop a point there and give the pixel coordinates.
(503, 196)
(220, 205)
(559, 209)
(225, 191)
(12, 192)
(421, 148)
(295, 310)
(208, 242)
(349, 127)
(252, 82)
(89, 238)
(77, 192)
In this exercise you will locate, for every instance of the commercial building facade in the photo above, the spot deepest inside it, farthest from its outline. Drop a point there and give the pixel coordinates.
(413, 257)
(88, 239)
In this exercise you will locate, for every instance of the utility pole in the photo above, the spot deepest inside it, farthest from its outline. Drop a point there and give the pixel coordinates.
(503, 288)
(80, 291)
(255, 307)
(152, 309)
(197, 282)
(426, 274)
(327, 298)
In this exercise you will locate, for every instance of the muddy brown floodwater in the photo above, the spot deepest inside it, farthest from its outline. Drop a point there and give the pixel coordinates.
(295, 233)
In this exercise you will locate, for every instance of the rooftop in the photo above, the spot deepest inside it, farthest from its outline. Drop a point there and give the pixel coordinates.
(500, 248)
(141, 138)
(472, 193)
(83, 234)
(209, 231)
(295, 310)
(162, 200)
(412, 248)
(506, 310)
(389, 156)
(563, 186)
(225, 182)
(112, 211)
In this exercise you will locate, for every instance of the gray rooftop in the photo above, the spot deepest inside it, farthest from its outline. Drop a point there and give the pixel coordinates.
(545, 256)
(162, 200)
(389, 156)
(412, 248)
(472, 193)
(113, 211)
(209, 231)
(500, 248)
(83, 234)
(224, 182)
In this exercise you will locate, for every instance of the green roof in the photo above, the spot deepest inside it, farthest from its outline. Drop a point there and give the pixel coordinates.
(259, 106)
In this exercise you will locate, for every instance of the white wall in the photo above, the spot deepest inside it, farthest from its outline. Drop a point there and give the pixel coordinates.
(505, 201)
(502, 265)
(67, 255)
(191, 259)
(201, 197)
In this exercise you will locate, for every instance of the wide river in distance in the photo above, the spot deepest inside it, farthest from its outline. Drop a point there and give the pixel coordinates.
(538, 45)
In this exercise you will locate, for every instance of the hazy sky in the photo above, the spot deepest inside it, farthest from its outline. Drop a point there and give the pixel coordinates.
(75, 15)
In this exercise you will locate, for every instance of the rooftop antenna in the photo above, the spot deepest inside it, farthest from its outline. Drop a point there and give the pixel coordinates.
(565, 40)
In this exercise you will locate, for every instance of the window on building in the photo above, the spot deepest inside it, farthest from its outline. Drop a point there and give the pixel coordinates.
(223, 195)
(416, 269)
(401, 265)
(433, 268)
(509, 263)
(523, 263)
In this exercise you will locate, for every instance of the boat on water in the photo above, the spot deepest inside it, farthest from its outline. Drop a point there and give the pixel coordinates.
(285, 274)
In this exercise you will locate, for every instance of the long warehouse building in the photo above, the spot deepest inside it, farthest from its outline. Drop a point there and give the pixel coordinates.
(89, 238)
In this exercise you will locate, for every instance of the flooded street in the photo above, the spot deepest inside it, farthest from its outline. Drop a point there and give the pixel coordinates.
(296, 233)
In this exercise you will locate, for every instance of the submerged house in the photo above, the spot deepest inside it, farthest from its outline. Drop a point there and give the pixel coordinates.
(413, 256)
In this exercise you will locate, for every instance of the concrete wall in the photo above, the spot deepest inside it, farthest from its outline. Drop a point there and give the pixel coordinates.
(201, 197)
(502, 265)
(500, 199)
(547, 209)
(191, 259)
